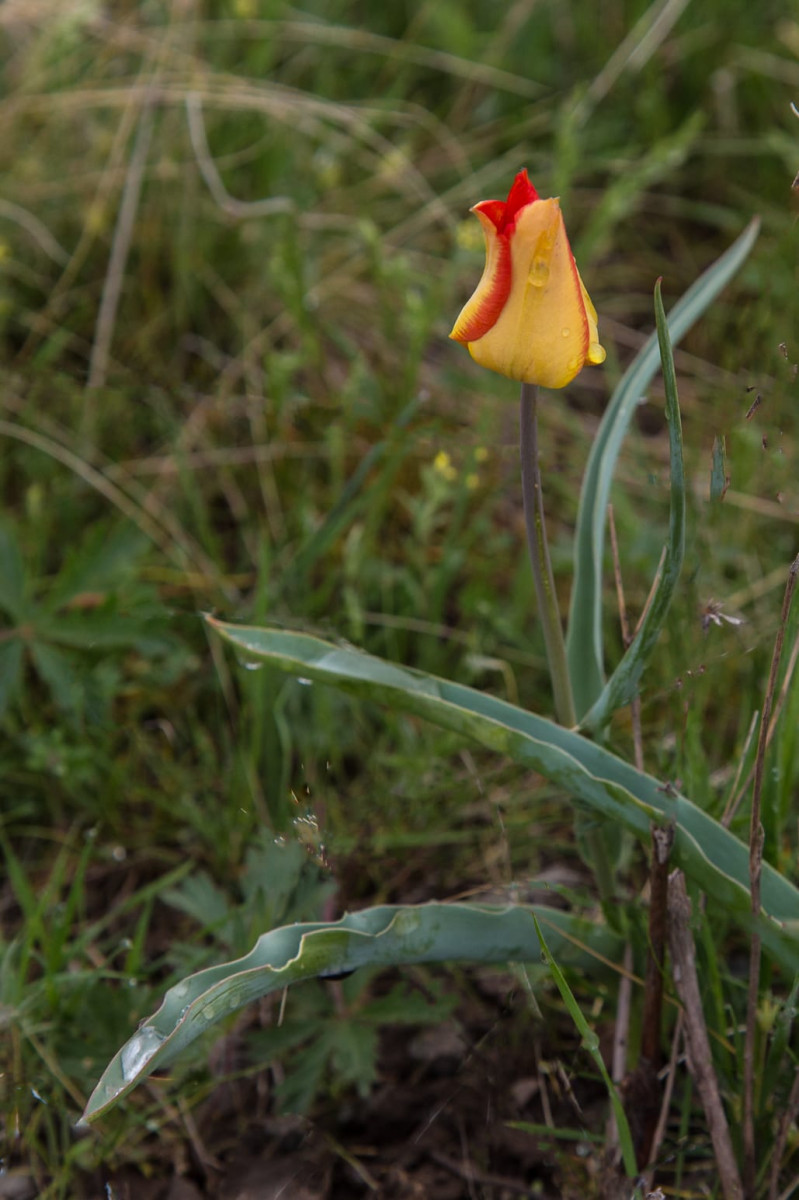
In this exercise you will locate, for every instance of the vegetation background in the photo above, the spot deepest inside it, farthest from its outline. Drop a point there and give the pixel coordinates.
(233, 237)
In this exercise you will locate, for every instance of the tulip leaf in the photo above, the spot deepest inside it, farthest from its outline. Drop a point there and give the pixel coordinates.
(376, 937)
(584, 641)
(590, 774)
(622, 686)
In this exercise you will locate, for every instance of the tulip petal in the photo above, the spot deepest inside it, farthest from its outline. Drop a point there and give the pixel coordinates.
(481, 312)
(530, 317)
(542, 334)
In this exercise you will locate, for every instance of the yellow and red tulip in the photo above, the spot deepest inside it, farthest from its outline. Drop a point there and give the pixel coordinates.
(530, 317)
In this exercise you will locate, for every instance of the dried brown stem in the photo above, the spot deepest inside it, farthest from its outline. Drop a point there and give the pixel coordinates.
(642, 1087)
(737, 792)
(786, 1121)
(683, 960)
(660, 1130)
(755, 869)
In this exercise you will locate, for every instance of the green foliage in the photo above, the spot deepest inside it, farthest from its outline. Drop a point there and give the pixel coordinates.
(384, 936)
(264, 442)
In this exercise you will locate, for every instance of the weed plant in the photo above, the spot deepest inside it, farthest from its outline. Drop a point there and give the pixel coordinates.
(233, 238)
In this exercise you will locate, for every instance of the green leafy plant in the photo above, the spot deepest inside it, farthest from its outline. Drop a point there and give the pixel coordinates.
(598, 782)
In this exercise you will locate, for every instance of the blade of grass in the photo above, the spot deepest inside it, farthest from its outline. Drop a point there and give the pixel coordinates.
(591, 1043)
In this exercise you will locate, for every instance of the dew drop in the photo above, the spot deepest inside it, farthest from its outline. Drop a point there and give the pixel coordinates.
(539, 272)
(565, 332)
(249, 665)
(596, 353)
(139, 1050)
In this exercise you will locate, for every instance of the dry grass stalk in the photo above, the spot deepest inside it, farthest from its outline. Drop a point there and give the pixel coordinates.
(683, 964)
(755, 868)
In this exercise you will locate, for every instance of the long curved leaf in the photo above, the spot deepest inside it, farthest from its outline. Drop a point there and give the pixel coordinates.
(584, 641)
(623, 683)
(589, 773)
(382, 936)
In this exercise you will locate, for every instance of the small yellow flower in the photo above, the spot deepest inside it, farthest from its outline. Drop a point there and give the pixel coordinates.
(530, 317)
(442, 464)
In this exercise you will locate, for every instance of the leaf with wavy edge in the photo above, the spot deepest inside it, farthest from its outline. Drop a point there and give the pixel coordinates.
(383, 936)
(706, 851)
(623, 683)
(584, 640)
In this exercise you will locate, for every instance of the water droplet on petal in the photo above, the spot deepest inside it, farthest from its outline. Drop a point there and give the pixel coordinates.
(139, 1050)
(539, 272)
(565, 332)
(596, 353)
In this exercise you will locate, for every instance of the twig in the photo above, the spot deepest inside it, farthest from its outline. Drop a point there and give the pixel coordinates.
(756, 835)
(734, 800)
(238, 209)
(738, 795)
(642, 1100)
(468, 1172)
(621, 1033)
(681, 944)
(786, 1121)
(660, 1130)
(120, 248)
(662, 842)
(37, 230)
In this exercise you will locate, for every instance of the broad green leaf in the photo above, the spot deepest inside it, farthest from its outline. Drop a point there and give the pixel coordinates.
(584, 641)
(12, 576)
(377, 937)
(622, 687)
(587, 772)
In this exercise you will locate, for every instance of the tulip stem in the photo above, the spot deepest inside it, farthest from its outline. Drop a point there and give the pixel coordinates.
(538, 546)
(549, 616)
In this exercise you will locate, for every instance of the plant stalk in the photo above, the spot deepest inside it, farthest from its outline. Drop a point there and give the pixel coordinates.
(549, 615)
(538, 546)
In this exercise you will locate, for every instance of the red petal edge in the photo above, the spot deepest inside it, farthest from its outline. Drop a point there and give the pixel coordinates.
(487, 313)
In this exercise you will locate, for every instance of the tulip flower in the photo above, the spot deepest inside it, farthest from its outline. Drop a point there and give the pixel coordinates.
(530, 317)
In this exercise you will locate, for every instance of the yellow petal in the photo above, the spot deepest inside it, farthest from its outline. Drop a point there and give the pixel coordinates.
(545, 328)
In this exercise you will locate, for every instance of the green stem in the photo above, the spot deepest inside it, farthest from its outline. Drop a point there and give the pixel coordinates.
(539, 558)
(549, 616)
